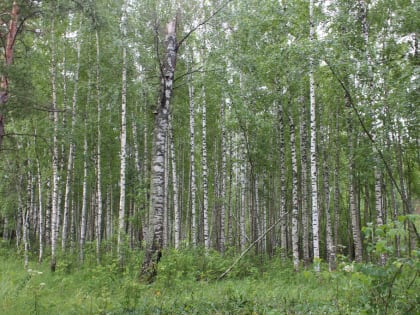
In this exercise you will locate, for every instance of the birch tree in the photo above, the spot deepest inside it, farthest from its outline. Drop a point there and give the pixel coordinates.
(71, 152)
(193, 187)
(121, 213)
(205, 177)
(55, 159)
(154, 246)
(295, 202)
(314, 176)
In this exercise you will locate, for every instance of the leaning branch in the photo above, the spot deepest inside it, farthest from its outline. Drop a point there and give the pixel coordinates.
(250, 246)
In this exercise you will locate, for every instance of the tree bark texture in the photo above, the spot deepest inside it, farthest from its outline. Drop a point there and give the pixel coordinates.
(155, 241)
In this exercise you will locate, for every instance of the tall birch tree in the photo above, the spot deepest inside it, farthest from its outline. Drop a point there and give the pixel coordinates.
(155, 240)
(123, 148)
(314, 176)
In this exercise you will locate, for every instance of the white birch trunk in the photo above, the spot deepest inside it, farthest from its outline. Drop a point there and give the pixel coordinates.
(177, 215)
(121, 213)
(193, 187)
(283, 222)
(166, 199)
(304, 184)
(314, 176)
(205, 180)
(98, 152)
(55, 178)
(154, 246)
(108, 207)
(26, 215)
(83, 220)
(48, 210)
(242, 217)
(295, 201)
(222, 239)
(40, 213)
(379, 206)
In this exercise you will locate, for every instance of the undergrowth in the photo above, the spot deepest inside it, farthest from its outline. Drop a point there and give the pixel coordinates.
(187, 284)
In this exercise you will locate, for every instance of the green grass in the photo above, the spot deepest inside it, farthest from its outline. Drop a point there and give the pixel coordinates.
(187, 284)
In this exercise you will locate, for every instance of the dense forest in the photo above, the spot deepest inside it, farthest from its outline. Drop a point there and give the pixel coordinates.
(271, 130)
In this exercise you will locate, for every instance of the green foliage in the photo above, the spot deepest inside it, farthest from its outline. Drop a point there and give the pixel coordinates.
(187, 284)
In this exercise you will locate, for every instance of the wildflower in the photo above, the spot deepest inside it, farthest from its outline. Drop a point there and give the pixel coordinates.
(348, 268)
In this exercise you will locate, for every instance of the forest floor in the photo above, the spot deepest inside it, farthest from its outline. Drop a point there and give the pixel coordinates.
(187, 284)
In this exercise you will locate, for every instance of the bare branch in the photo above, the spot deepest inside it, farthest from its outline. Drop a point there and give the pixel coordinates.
(203, 22)
(250, 246)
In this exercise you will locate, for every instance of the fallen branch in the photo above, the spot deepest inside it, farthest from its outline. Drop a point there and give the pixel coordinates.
(250, 246)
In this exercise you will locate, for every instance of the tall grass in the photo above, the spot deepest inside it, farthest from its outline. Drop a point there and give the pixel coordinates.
(187, 284)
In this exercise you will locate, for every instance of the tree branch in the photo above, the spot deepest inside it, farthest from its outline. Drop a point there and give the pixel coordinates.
(205, 21)
(250, 246)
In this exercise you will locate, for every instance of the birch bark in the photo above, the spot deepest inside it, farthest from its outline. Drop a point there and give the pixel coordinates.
(314, 176)
(193, 187)
(40, 213)
(123, 149)
(283, 222)
(305, 204)
(55, 162)
(154, 246)
(177, 215)
(295, 201)
(83, 219)
(205, 179)
(98, 151)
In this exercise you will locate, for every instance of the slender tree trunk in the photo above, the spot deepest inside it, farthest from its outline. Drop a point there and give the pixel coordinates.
(314, 176)
(283, 223)
(193, 187)
(123, 154)
(48, 210)
(305, 204)
(98, 152)
(55, 165)
(206, 236)
(40, 213)
(295, 201)
(327, 194)
(242, 221)
(20, 215)
(26, 216)
(177, 215)
(72, 148)
(154, 246)
(166, 194)
(83, 219)
(109, 225)
(222, 238)
(354, 210)
(379, 206)
(336, 191)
